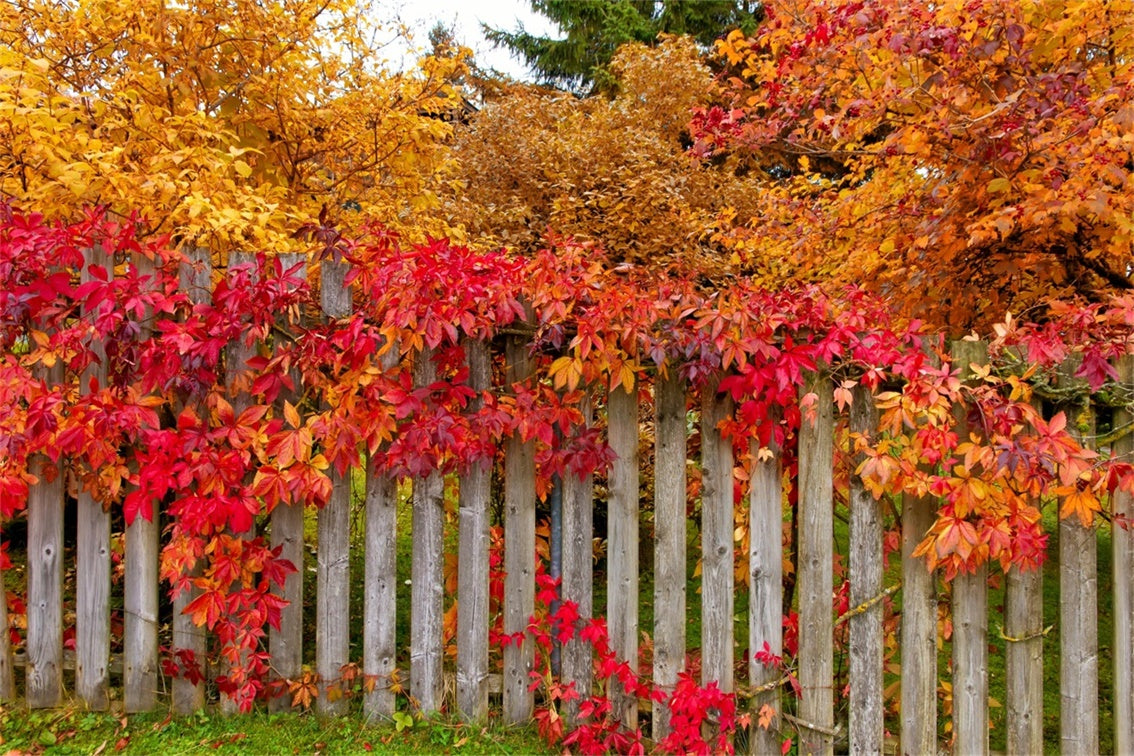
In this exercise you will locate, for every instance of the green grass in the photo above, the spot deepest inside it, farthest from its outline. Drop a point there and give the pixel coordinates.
(73, 731)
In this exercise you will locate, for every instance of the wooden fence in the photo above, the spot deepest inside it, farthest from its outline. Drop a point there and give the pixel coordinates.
(813, 725)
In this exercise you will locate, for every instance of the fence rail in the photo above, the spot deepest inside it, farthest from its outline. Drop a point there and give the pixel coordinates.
(668, 407)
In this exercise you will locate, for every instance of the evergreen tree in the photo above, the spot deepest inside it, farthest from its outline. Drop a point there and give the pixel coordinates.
(594, 29)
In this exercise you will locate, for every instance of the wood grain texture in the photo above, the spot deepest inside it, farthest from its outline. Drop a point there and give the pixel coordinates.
(918, 734)
(622, 543)
(519, 550)
(970, 613)
(472, 560)
(1122, 570)
(1023, 618)
(816, 562)
(669, 541)
(766, 586)
(43, 683)
(578, 571)
(92, 576)
(865, 562)
(332, 587)
(717, 569)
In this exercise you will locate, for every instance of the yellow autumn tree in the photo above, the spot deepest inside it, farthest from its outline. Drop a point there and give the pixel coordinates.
(227, 124)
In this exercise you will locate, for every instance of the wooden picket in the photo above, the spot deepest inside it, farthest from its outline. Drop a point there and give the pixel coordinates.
(332, 593)
(1122, 570)
(141, 590)
(816, 564)
(669, 540)
(813, 724)
(970, 614)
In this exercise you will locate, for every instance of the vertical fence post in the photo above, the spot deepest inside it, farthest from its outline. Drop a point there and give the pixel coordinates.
(44, 670)
(196, 280)
(766, 584)
(865, 630)
(918, 732)
(285, 644)
(140, 602)
(380, 607)
(1122, 568)
(970, 613)
(578, 571)
(669, 541)
(332, 592)
(427, 578)
(519, 550)
(717, 526)
(472, 558)
(92, 590)
(622, 544)
(7, 671)
(1023, 659)
(1078, 603)
(816, 568)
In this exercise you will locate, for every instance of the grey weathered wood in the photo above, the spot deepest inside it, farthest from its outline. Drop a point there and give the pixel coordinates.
(285, 643)
(379, 629)
(578, 571)
(195, 276)
(140, 601)
(472, 559)
(1122, 563)
(427, 579)
(1078, 607)
(717, 568)
(622, 544)
(766, 586)
(970, 614)
(44, 670)
(918, 734)
(816, 567)
(865, 630)
(669, 541)
(332, 577)
(1023, 660)
(1023, 619)
(519, 551)
(92, 589)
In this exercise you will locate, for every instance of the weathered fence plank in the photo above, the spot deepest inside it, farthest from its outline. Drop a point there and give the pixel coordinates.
(622, 543)
(765, 604)
(44, 670)
(92, 589)
(427, 577)
(669, 541)
(1023, 660)
(578, 571)
(196, 282)
(379, 626)
(1078, 604)
(519, 550)
(717, 568)
(970, 613)
(816, 569)
(865, 573)
(332, 587)
(472, 559)
(1122, 569)
(285, 643)
(918, 734)
(140, 600)
(7, 666)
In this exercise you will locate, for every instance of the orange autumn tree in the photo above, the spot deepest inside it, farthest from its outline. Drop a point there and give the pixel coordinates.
(965, 157)
(225, 124)
(613, 170)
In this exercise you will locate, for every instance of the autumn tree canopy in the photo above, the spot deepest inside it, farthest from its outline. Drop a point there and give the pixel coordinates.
(965, 158)
(228, 124)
